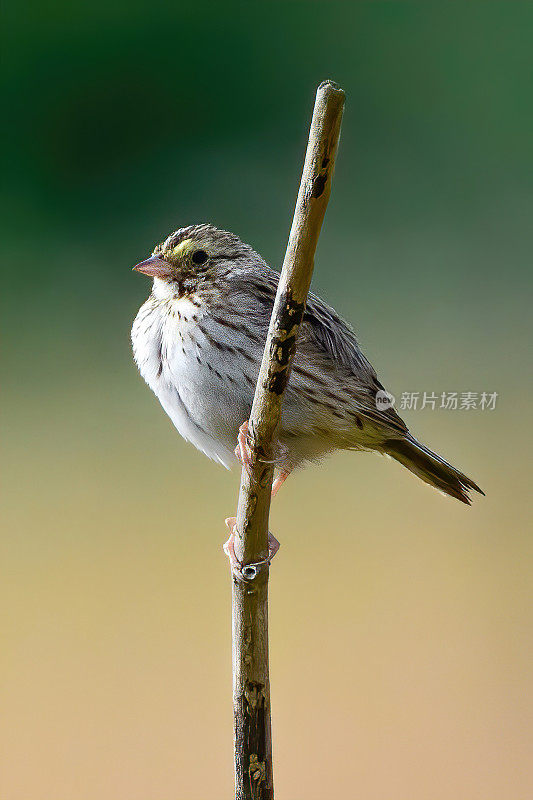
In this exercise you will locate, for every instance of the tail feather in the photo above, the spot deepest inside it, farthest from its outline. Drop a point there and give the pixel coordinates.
(431, 468)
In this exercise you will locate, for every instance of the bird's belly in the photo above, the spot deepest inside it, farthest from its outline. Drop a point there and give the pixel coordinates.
(171, 376)
(214, 446)
(204, 376)
(211, 383)
(198, 378)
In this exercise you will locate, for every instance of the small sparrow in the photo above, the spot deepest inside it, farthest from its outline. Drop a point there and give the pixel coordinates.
(198, 342)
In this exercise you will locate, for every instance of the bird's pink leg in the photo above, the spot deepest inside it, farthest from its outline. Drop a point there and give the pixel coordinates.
(229, 546)
(242, 451)
(273, 546)
(280, 480)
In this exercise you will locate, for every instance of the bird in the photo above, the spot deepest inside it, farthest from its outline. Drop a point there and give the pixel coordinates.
(198, 342)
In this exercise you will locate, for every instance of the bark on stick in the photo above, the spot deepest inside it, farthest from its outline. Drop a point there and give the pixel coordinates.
(251, 687)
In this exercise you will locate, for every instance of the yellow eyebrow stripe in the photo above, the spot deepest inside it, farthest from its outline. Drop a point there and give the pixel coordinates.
(182, 247)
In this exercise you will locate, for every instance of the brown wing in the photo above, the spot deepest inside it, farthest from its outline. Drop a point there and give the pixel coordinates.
(329, 344)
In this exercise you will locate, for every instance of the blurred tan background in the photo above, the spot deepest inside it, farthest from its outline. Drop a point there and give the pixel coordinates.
(401, 644)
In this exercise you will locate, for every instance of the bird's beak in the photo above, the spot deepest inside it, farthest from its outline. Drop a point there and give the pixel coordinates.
(154, 267)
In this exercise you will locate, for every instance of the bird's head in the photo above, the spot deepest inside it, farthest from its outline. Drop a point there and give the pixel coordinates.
(197, 254)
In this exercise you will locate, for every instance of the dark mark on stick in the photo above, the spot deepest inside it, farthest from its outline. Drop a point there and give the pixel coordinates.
(319, 185)
(282, 349)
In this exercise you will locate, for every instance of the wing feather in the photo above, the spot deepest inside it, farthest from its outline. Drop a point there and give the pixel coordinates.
(337, 348)
(328, 358)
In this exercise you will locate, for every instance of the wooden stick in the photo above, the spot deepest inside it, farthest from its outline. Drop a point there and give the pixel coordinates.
(251, 688)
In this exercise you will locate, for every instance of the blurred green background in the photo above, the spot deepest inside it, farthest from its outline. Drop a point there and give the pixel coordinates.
(400, 620)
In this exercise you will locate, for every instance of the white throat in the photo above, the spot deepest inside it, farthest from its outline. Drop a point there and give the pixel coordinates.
(163, 290)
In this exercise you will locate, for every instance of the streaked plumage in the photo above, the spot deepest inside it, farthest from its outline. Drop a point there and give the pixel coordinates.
(198, 342)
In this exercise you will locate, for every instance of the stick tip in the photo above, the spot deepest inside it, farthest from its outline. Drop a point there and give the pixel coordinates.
(330, 86)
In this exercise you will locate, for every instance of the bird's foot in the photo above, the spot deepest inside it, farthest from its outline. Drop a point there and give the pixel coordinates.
(246, 571)
(229, 545)
(242, 451)
(278, 483)
(243, 455)
(273, 546)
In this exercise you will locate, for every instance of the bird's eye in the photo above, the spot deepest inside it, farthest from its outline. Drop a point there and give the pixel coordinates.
(199, 257)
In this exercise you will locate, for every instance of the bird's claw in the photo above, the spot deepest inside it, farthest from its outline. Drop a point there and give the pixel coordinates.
(242, 451)
(229, 545)
(246, 571)
(243, 455)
